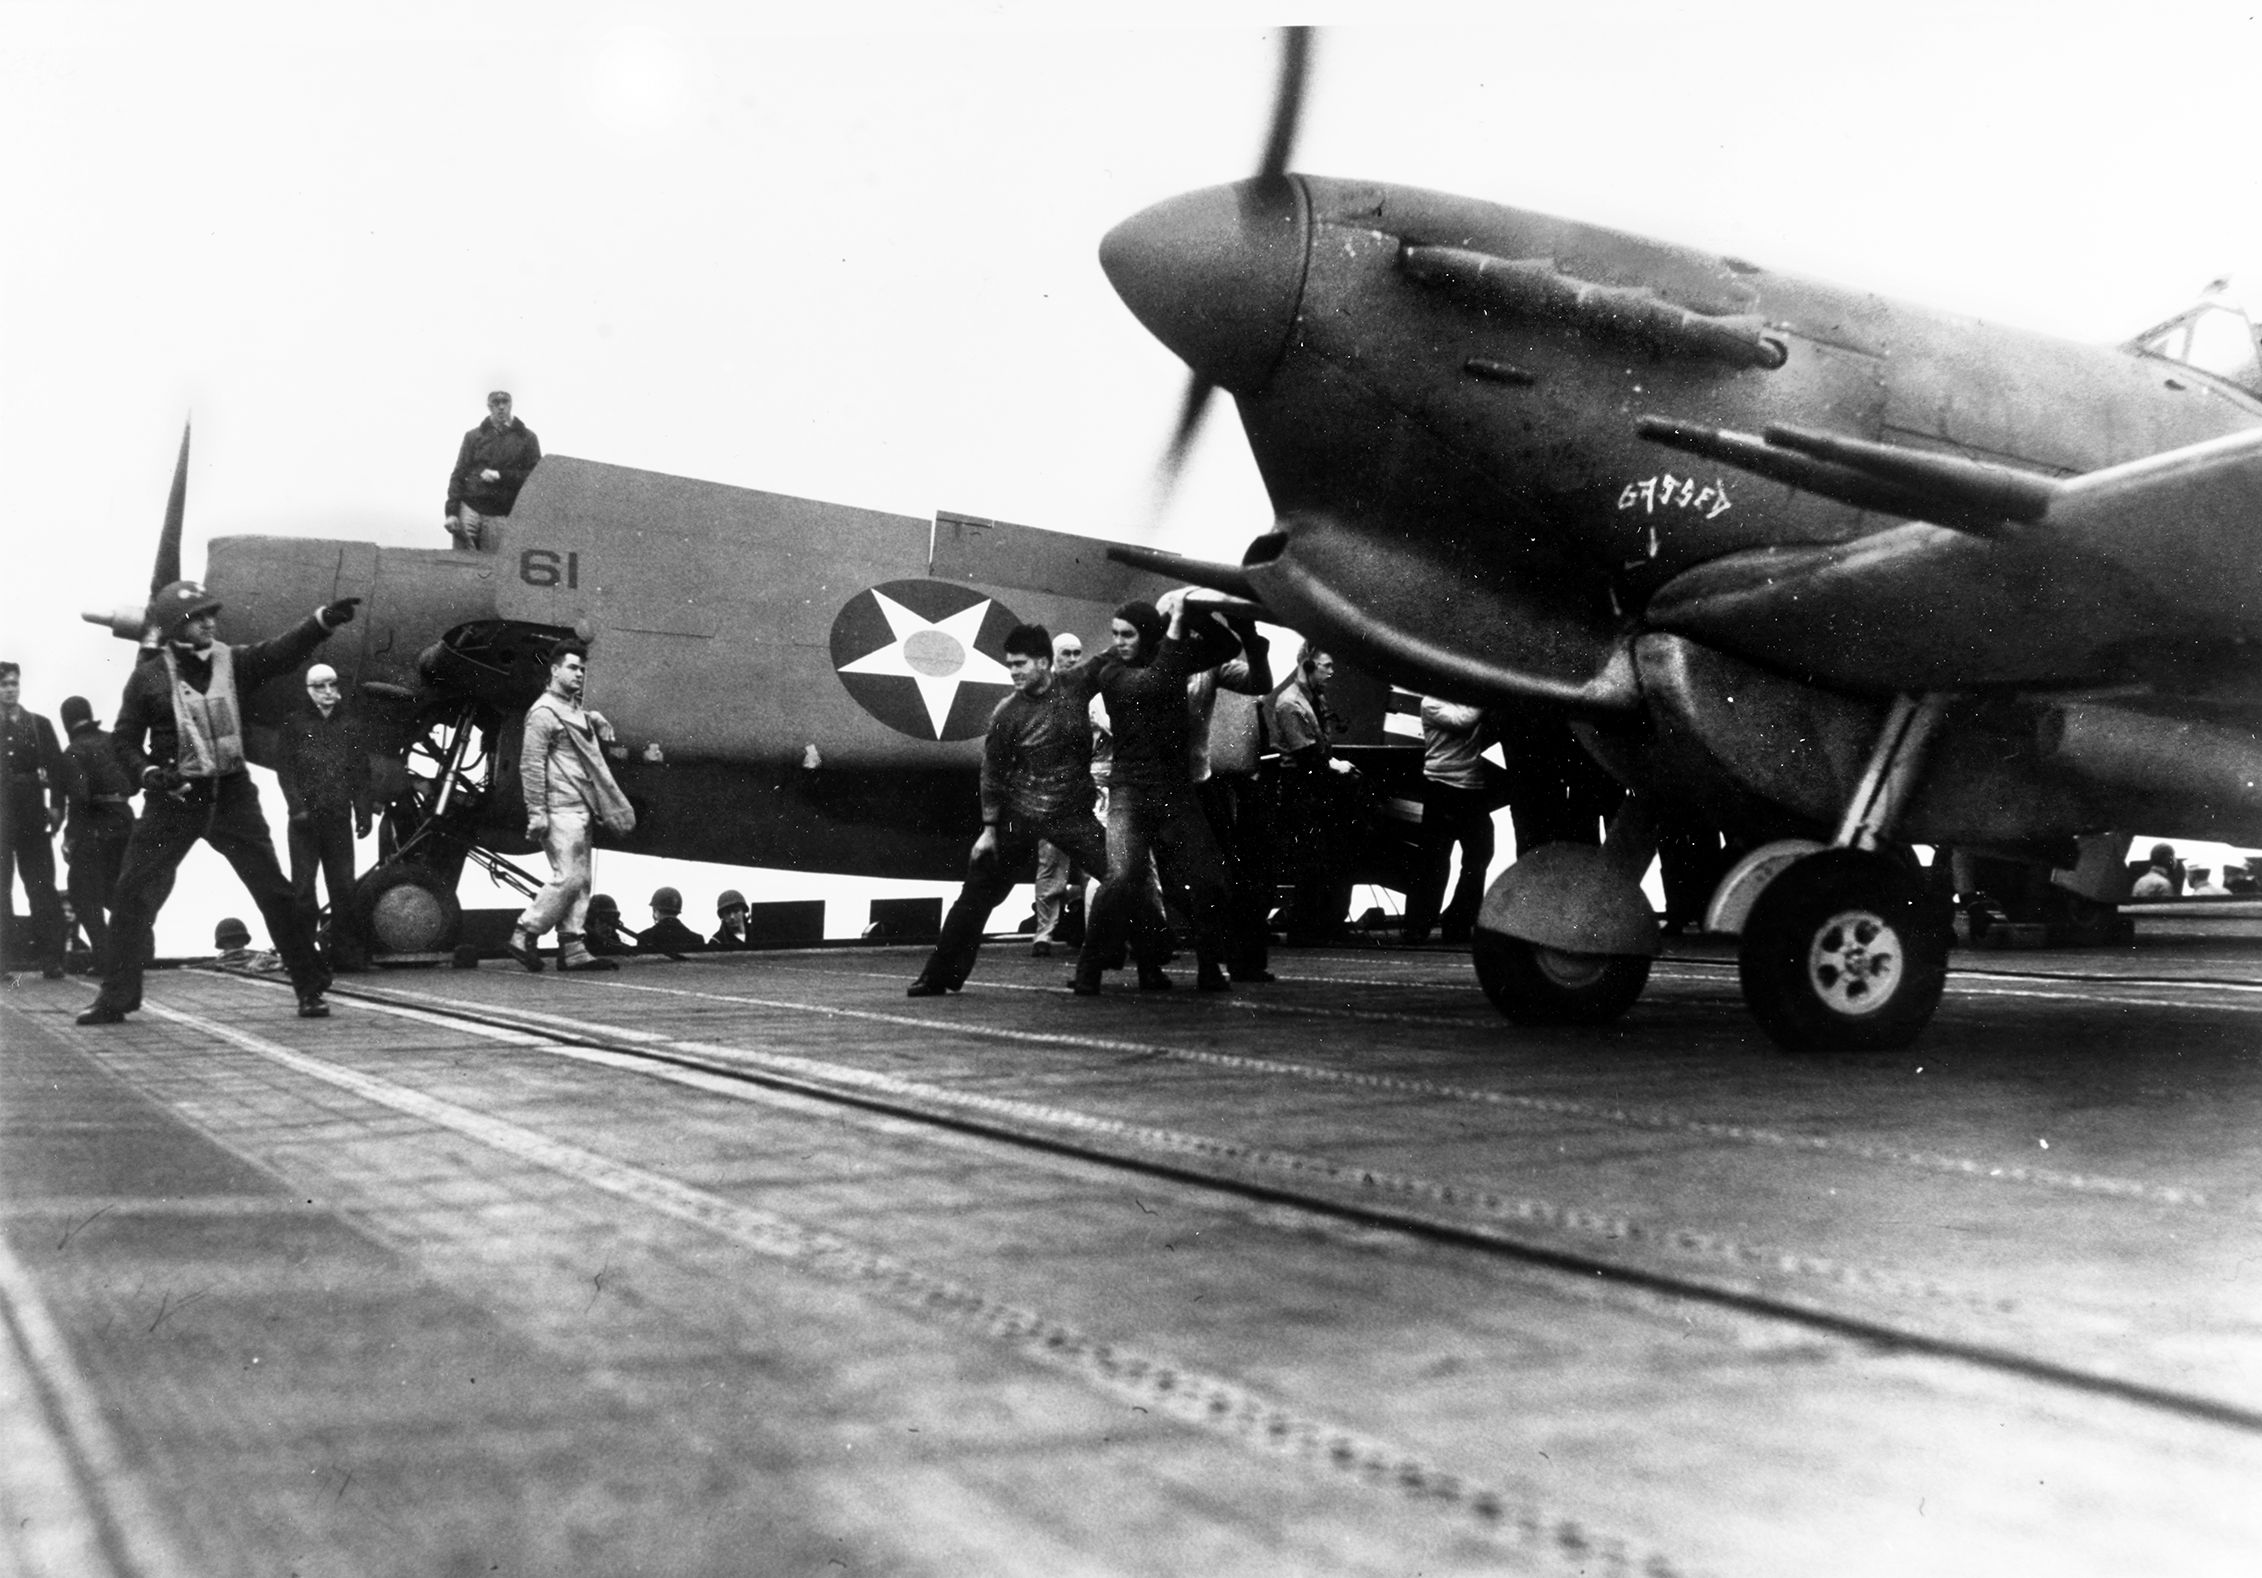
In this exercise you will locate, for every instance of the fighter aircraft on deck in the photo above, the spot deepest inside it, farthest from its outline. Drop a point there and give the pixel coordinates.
(1838, 572)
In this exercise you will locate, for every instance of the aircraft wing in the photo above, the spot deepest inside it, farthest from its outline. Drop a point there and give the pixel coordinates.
(2027, 580)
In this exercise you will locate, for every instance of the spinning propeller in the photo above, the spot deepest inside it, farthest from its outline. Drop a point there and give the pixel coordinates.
(1272, 167)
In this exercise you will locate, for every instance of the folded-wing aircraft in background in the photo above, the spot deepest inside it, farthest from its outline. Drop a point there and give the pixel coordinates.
(793, 684)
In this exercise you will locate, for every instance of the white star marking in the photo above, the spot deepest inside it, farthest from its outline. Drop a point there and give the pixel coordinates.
(937, 655)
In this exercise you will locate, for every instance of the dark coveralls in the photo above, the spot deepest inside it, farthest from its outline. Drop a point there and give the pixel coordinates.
(324, 766)
(33, 769)
(1036, 784)
(223, 811)
(1152, 810)
(512, 451)
(670, 936)
(102, 820)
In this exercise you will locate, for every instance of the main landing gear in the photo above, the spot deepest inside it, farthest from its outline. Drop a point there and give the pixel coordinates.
(1845, 945)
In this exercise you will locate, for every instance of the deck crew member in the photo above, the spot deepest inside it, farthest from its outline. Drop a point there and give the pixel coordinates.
(180, 736)
(730, 922)
(1036, 787)
(1456, 809)
(667, 934)
(1225, 733)
(567, 786)
(1057, 875)
(31, 809)
(101, 821)
(1152, 811)
(1313, 813)
(323, 763)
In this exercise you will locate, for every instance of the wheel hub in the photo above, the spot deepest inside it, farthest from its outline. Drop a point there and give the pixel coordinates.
(1855, 962)
(1570, 970)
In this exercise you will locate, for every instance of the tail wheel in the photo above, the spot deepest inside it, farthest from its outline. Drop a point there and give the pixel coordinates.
(1846, 951)
(1536, 985)
(407, 909)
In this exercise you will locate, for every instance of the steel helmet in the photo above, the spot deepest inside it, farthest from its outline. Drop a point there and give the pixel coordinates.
(729, 899)
(666, 901)
(174, 605)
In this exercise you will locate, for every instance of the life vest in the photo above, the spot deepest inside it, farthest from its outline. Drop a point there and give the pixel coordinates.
(209, 723)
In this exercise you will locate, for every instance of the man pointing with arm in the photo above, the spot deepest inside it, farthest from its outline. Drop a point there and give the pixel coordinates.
(180, 736)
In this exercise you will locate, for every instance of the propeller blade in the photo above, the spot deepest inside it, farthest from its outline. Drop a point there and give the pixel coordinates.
(168, 568)
(1287, 102)
(1280, 144)
(1198, 391)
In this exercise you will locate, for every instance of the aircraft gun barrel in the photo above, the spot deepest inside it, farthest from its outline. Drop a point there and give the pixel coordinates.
(1986, 501)
(1973, 486)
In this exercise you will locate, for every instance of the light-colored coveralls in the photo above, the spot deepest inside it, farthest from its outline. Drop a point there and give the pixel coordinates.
(562, 773)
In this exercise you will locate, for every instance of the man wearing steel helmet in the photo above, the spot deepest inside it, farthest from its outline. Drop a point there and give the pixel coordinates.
(102, 820)
(730, 917)
(667, 934)
(180, 736)
(323, 762)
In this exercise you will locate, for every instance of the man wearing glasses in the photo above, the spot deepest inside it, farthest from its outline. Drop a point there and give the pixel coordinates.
(493, 463)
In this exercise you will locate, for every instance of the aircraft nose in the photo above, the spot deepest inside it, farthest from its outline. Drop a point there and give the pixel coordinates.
(1216, 275)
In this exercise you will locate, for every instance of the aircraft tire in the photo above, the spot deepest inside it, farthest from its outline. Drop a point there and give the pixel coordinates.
(1535, 985)
(1845, 951)
(404, 908)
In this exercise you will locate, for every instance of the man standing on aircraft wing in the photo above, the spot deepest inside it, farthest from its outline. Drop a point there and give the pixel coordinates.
(1152, 810)
(180, 735)
(1036, 787)
(492, 464)
(562, 773)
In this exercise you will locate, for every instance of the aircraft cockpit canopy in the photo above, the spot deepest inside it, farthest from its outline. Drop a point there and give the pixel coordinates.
(2215, 336)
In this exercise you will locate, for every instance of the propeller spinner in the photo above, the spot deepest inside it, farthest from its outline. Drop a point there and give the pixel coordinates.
(1191, 301)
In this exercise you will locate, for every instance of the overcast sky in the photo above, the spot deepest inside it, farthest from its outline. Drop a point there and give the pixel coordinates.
(859, 264)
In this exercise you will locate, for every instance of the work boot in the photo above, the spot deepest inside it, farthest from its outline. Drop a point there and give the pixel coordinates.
(1040, 949)
(521, 947)
(1212, 978)
(1152, 979)
(311, 1006)
(926, 986)
(1085, 982)
(102, 1013)
(574, 955)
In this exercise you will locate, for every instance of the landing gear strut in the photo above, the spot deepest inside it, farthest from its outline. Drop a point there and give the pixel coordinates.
(1846, 949)
(407, 905)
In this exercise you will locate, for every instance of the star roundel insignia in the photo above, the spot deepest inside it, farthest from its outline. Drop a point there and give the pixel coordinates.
(926, 658)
